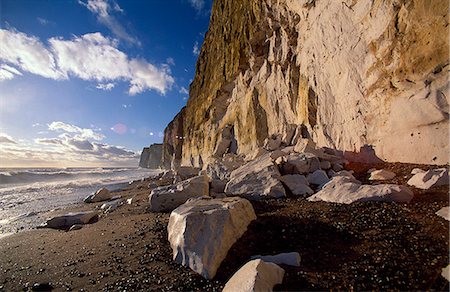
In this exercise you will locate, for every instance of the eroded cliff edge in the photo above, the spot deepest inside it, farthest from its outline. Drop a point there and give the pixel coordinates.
(354, 73)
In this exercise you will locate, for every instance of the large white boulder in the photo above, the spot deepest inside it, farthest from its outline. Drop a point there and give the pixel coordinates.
(221, 168)
(381, 174)
(167, 198)
(318, 178)
(100, 195)
(430, 178)
(347, 190)
(288, 258)
(256, 180)
(186, 172)
(67, 220)
(297, 184)
(256, 275)
(444, 213)
(201, 231)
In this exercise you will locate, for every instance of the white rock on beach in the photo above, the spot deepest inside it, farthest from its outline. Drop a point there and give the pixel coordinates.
(256, 275)
(256, 180)
(297, 184)
(381, 174)
(288, 258)
(186, 172)
(346, 190)
(430, 178)
(167, 198)
(417, 170)
(67, 220)
(102, 194)
(446, 273)
(318, 177)
(110, 206)
(202, 230)
(444, 213)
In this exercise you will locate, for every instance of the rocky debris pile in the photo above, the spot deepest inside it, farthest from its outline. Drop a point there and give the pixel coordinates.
(345, 189)
(167, 198)
(100, 195)
(68, 220)
(202, 230)
(256, 275)
(256, 179)
(428, 179)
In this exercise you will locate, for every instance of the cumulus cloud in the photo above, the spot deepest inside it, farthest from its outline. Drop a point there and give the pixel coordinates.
(90, 57)
(4, 138)
(28, 53)
(81, 133)
(105, 86)
(196, 49)
(8, 72)
(74, 145)
(102, 9)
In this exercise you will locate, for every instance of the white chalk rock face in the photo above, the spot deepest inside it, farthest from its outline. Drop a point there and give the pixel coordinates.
(167, 198)
(297, 184)
(444, 213)
(430, 178)
(201, 231)
(288, 258)
(256, 275)
(346, 190)
(67, 220)
(381, 174)
(256, 180)
(102, 194)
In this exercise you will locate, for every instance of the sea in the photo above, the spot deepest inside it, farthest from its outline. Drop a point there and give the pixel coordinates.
(27, 195)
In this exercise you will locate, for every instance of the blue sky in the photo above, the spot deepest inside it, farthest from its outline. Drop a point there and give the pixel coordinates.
(91, 82)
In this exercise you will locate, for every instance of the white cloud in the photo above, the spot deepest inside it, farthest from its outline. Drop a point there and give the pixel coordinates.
(89, 57)
(183, 90)
(146, 75)
(105, 86)
(8, 72)
(43, 21)
(4, 138)
(28, 53)
(82, 133)
(197, 4)
(196, 50)
(102, 9)
(170, 61)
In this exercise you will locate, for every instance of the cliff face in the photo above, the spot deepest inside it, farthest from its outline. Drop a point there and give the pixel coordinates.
(151, 157)
(356, 73)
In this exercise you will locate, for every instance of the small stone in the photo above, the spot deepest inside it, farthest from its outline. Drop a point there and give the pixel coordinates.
(381, 174)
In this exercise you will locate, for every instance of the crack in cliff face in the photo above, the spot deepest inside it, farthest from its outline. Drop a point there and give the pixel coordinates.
(341, 68)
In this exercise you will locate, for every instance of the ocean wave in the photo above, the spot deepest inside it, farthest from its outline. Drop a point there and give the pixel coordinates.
(17, 176)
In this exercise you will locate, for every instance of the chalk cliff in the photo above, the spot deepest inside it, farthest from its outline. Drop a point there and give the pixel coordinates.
(355, 73)
(151, 156)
